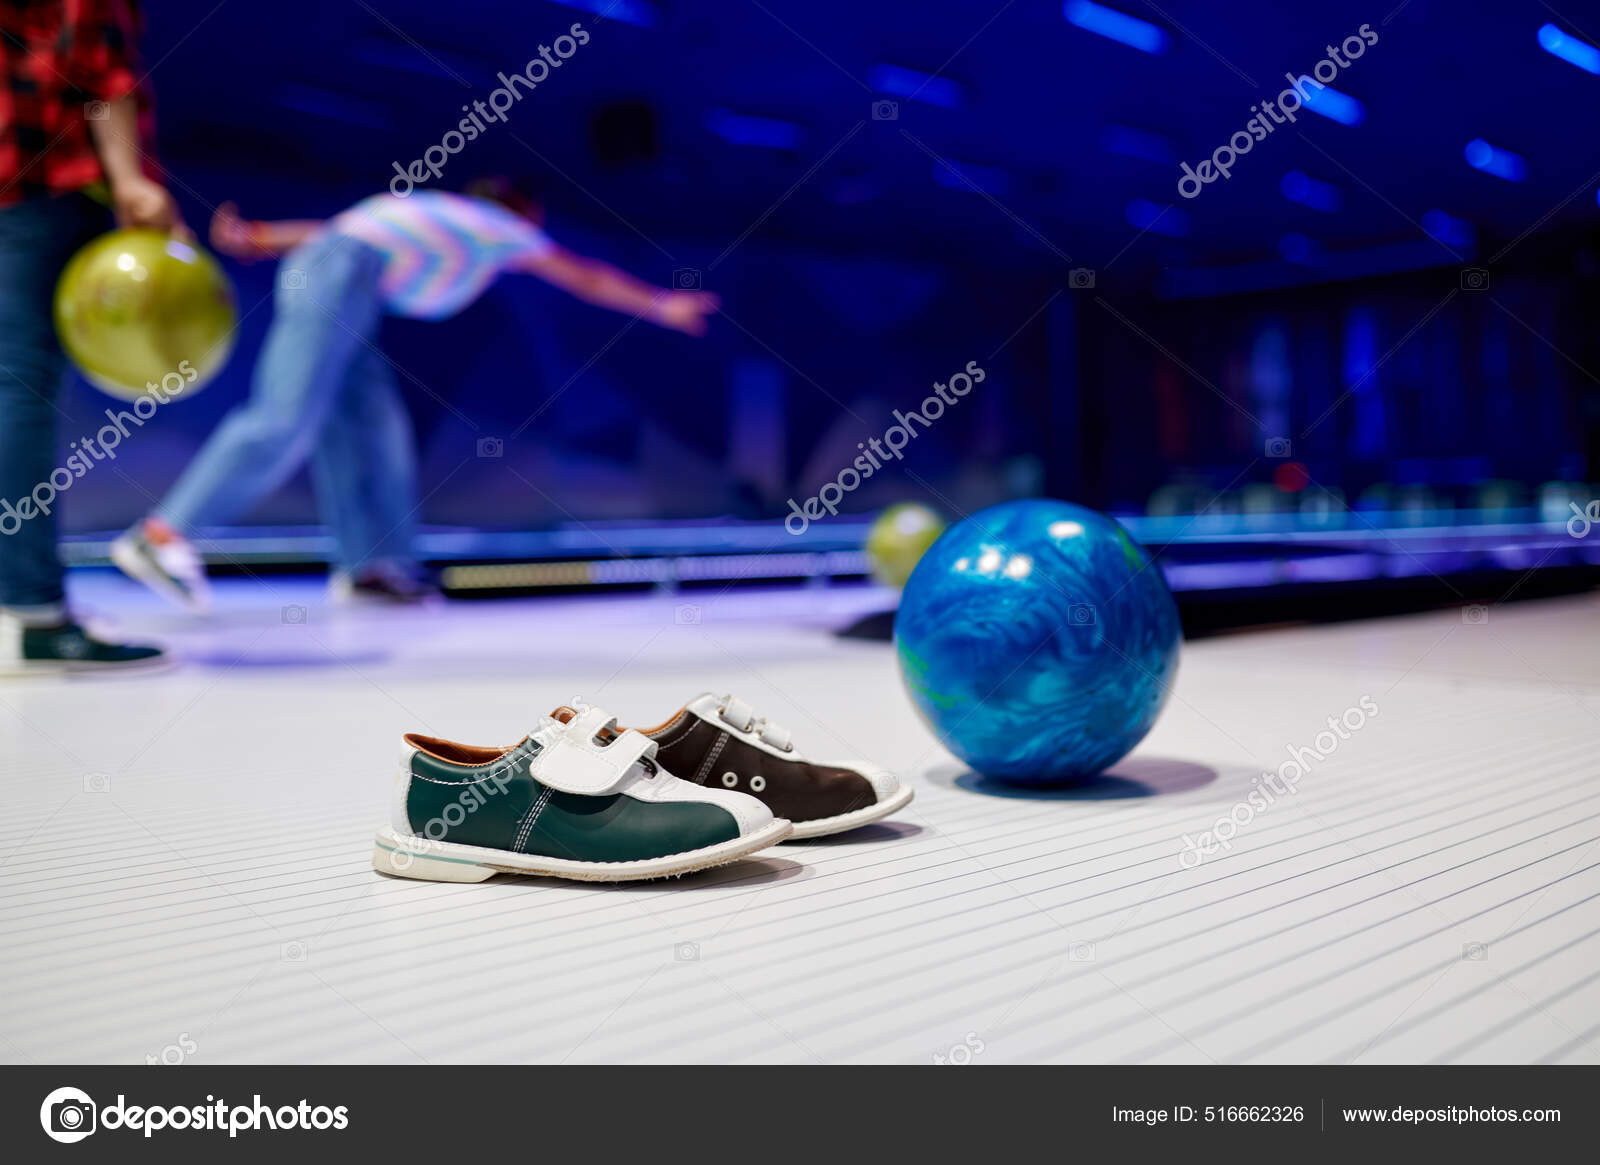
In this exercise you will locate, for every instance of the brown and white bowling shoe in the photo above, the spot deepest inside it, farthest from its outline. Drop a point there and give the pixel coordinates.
(719, 742)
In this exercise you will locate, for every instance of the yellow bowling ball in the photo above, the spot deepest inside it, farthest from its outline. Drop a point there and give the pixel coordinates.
(137, 309)
(897, 538)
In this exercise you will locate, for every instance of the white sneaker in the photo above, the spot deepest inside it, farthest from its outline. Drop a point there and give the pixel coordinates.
(382, 584)
(171, 567)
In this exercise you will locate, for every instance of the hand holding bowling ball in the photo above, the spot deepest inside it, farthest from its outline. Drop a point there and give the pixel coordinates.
(135, 306)
(138, 201)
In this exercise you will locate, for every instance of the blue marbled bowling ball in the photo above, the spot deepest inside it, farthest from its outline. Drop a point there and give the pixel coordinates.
(1038, 641)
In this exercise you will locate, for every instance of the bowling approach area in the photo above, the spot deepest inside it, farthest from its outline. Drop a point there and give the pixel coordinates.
(187, 873)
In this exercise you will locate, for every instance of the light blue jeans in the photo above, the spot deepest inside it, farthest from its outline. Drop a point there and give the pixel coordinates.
(322, 390)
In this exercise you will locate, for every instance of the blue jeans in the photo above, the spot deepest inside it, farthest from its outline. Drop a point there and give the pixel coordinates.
(322, 390)
(37, 238)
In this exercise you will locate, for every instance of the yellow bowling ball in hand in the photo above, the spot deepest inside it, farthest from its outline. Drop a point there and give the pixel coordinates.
(138, 309)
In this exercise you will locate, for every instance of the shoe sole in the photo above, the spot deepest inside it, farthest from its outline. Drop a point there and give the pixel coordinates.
(440, 861)
(133, 564)
(361, 601)
(14, 670)
(855, 819)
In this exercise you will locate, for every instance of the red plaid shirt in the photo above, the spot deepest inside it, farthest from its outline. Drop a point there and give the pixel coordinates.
(57, 59)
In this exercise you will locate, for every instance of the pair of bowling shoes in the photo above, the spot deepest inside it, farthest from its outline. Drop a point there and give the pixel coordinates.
(581, 797)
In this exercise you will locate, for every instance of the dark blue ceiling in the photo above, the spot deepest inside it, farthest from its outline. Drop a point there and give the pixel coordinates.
(311, 102)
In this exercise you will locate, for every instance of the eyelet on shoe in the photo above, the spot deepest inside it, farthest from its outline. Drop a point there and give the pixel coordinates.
(757, 783)
(730, 779)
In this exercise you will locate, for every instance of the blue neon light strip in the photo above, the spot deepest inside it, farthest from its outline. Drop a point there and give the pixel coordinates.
(1493, 160)
(1114, 25)
(1570, 49)
(742, 130)
(1332, 104)
(909, 83)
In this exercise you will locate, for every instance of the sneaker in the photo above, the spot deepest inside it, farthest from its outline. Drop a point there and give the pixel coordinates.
(158, 556)
(717, 741)
(383, 583)
(578, 798)
(67, 647)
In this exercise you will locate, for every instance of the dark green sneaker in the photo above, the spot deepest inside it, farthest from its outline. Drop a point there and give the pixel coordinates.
(67, 647)
(577, 798)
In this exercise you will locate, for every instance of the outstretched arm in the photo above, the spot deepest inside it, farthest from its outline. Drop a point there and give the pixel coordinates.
(246, 240)
(606, 286)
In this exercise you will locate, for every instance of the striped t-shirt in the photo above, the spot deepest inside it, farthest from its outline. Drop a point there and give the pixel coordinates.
(443, 249)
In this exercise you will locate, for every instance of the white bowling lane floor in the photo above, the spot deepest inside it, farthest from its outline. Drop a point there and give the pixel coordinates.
(184, 857)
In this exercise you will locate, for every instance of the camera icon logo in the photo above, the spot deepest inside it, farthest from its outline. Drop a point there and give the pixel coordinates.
(96, 782)
(1278, 447)
(686, 279)
(1080, 952)
(491, 447)
(961, 1054)
(294, 615)
(1475, 952)
(1081, 615)
(68, 1115)
(292, 952)
(885, 111)
(293, 279)
(687, 615)
(1474, 279)
(97, 110)
(1475, 614)
(1080, 278)
(686, 952)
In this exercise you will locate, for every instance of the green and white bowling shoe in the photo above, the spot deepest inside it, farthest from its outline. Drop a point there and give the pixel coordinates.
(578, 798)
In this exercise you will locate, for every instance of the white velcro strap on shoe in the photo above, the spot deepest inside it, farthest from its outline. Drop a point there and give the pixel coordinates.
(574, 763)
(739, 714)
(590, 723)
